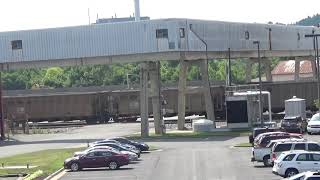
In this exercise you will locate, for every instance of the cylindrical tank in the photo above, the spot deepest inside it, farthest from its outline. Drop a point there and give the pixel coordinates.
(295, 107)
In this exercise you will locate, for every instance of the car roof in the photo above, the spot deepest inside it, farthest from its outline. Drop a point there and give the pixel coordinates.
(288, 140)
(270, 133)
(294, 141)
(300, 151)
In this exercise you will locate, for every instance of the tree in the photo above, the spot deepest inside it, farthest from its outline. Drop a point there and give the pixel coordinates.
(54, 77)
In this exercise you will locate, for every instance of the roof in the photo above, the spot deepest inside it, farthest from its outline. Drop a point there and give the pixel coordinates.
(294, 99)
(288, 67)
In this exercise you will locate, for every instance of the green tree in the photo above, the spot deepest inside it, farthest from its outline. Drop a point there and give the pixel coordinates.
(54, 77)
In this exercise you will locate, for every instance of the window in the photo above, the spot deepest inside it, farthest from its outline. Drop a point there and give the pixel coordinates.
(106, 154)
(302, 157)
(16, 44)
(313, 178)
(247, 35)
(91, 154)
(301, 146)
(316, 157)
(182, 33)
(162, 33)
(313, 147)
(289, 157)
(103, 153)
(282, 147)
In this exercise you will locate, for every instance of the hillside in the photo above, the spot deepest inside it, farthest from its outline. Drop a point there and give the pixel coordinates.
(310, 21)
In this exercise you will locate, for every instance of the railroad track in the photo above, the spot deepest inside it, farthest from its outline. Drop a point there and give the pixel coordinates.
(50, 125)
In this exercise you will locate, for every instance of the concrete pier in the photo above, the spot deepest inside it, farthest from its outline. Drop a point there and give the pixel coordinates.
(182, 94)
(144, 68)
(207, 91)
(154, 73)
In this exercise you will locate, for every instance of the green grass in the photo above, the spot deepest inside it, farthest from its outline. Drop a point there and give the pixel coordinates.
(243, 145)
(48, 161)
(190, 134)
(153, 148)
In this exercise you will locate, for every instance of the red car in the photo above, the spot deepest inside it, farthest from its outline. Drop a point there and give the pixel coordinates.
(96, 159)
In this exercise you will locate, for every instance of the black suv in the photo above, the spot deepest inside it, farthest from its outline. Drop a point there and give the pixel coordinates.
(294, 124)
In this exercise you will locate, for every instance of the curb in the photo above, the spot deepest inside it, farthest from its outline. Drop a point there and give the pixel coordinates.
(54, 174)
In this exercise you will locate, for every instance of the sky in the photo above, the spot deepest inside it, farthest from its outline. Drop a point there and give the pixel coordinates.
(36, 14)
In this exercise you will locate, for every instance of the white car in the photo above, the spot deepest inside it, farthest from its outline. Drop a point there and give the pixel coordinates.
(291, 163)
(309, 175)
(280, 147)
(314, 124)
(112, 141)
(262, 154)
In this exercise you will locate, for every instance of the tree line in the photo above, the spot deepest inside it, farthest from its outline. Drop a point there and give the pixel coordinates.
(116, 74)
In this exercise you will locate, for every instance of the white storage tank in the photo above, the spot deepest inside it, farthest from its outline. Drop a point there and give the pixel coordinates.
(202, 125)
(295, 107)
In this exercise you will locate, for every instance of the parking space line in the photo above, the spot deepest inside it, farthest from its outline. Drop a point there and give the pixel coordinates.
(60, 175)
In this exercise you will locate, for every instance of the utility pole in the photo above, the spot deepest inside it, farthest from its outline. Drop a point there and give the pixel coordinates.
(1, 110)
(316, 58)
(260, 83)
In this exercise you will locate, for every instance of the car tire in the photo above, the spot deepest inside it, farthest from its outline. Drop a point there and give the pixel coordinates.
(309, 133)
(113, 165)
(291, 172)
(266, 161)
(75, 166)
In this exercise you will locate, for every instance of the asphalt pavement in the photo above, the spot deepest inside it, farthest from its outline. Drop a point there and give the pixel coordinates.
(188, 159)
(67, 138)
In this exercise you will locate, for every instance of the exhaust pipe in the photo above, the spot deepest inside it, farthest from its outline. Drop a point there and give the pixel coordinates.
(137, 9)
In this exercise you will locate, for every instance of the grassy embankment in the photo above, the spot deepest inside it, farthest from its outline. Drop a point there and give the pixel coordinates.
(47, 160)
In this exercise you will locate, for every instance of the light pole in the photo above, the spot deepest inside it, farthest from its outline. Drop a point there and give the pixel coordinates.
(316, 58)
(260, 83)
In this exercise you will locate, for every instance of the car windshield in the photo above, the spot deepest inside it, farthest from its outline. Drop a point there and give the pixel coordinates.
(315, 117)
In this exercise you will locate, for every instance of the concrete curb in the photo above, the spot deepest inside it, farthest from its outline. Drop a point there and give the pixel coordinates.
(54, 174)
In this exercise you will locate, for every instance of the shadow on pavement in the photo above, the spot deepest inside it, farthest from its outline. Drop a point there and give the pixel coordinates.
(186, 139)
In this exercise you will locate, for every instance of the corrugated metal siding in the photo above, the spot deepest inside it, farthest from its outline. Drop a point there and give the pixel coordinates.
(140, 37)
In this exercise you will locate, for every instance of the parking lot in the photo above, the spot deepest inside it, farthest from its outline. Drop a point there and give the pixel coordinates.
(189, 159)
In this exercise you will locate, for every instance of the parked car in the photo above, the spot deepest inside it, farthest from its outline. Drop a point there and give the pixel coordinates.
(96, 159)
(139, 145)
(314, 124)
(294, 124)
(264, 141)
(280, 147)
(262, 135)
(290, 163)
(259, 130)
(132, 156)
(262, 154)
(113, 141)
(309, 175)
(119, 147)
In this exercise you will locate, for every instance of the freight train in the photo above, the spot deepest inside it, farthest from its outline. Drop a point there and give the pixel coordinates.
(99, 105)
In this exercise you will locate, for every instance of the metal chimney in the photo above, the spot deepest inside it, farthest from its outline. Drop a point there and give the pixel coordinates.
(137, 10)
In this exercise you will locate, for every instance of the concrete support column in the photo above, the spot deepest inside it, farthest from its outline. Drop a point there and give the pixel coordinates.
(248, 70)
(267, 63)
(182, 94)
(144, 68)
(314, 68)
(207, 90)
(297, 69)
(155, 95)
